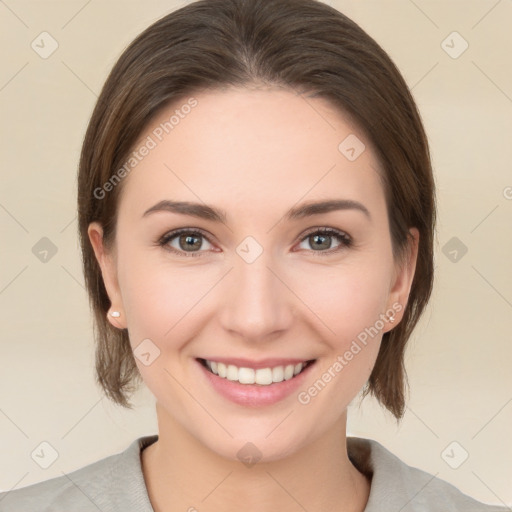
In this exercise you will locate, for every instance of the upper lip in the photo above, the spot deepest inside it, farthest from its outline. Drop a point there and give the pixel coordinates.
(263, 363)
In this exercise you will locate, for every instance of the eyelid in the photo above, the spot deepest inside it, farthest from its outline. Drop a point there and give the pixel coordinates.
(347, 240)
(164, 240)
(324, 229)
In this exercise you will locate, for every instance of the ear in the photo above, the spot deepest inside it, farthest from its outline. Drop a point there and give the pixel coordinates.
(107, 263)
(402, 279)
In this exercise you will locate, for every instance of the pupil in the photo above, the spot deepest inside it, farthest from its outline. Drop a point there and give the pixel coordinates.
(188, 241)
(326, 245)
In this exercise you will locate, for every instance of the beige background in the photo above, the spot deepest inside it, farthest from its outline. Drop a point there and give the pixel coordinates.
(459, 359)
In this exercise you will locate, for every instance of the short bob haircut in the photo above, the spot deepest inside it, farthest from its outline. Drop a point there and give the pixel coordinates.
(301, 45)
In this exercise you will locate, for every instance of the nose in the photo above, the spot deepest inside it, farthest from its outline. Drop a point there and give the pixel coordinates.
(258, 305)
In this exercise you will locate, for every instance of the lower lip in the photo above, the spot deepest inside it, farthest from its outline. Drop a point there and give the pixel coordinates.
(254, 395)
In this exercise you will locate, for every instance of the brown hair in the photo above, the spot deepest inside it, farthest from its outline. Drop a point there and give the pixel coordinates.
(305, 44)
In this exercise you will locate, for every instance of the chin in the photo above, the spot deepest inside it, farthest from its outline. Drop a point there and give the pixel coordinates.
(254, 450)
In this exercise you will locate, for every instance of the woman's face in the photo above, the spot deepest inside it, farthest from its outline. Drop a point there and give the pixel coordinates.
(254, 285)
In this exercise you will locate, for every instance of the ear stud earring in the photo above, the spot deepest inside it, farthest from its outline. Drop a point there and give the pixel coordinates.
(392, 318)
(115, 314)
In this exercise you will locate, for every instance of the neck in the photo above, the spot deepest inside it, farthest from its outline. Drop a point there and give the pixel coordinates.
(183, 474)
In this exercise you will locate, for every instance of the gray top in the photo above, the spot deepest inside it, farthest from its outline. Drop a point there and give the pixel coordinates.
(116, 484)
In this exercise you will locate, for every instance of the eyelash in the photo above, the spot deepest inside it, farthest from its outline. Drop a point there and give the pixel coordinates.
(344, 239)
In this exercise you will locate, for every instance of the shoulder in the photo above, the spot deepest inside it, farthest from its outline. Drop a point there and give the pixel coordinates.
(91, 488)
(397, 486)
(74, 491)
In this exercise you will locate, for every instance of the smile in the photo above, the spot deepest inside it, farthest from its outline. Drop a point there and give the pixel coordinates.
(261, 376)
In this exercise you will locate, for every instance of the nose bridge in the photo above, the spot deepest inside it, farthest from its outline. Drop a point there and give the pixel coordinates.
(258, 303)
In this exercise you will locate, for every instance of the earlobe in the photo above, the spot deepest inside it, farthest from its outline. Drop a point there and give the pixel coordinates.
(108, 268)
(404, 275)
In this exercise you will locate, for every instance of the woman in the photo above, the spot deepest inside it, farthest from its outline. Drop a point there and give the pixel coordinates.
(256, 212)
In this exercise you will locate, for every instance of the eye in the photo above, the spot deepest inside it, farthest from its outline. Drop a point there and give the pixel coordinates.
(321, 240)
(186, 242)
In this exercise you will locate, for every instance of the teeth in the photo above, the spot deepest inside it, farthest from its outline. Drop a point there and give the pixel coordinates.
(262, 376)
(288, 371)
(221, 369)
(246, 375)
(278, 374)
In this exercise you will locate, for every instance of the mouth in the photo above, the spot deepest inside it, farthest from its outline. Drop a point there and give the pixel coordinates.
(263, 376)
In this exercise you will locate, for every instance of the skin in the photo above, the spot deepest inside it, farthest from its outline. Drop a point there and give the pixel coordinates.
(254, 153)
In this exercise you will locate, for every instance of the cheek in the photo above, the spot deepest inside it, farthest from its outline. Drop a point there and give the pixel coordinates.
(162, 305)
(163, 301)
(161, 298)
(346, 299)
(349, 303)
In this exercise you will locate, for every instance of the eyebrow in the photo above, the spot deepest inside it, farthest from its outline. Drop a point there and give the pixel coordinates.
(204, 211)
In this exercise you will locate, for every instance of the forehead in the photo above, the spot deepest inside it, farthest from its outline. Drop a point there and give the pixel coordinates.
(242, 148)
